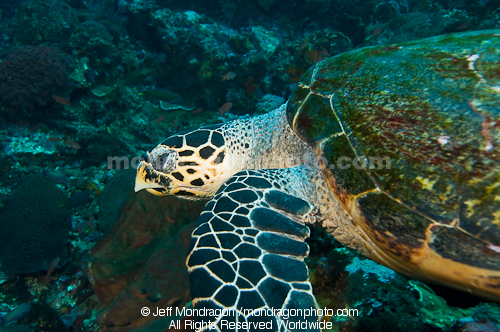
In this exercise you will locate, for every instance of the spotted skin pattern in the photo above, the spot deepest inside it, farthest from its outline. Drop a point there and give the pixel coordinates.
(247, 250)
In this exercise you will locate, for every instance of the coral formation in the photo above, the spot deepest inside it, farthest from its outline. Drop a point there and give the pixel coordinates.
(31, 75)
(34, 227)
(92, 37)
(42, 21)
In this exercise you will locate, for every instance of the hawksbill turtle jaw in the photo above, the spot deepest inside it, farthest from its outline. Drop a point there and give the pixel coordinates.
(162, 184)
(150, 179)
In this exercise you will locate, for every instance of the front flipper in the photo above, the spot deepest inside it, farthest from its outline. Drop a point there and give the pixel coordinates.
(247, 255)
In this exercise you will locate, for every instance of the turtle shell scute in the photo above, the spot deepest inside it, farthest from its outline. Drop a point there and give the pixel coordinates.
(418, 122)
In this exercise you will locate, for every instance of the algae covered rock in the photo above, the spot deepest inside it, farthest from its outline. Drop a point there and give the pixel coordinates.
(141, 260)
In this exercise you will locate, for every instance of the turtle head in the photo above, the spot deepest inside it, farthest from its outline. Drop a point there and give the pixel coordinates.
(189, 165)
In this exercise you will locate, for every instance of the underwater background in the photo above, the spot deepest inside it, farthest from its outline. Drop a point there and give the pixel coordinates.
(86, 87)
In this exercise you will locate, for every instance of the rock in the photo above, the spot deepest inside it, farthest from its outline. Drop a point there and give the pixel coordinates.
(126, 279)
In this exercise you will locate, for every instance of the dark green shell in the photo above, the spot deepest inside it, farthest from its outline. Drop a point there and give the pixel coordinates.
(432, 108)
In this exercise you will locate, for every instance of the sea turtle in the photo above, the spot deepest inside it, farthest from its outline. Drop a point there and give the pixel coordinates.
(393, 149)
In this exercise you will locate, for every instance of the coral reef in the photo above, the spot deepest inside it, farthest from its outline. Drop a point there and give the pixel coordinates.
(31, 75)
(42, 21)
(92, 37)
(66, 122)
(34, 227)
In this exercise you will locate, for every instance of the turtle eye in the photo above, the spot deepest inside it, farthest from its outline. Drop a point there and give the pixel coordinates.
(163, 159)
